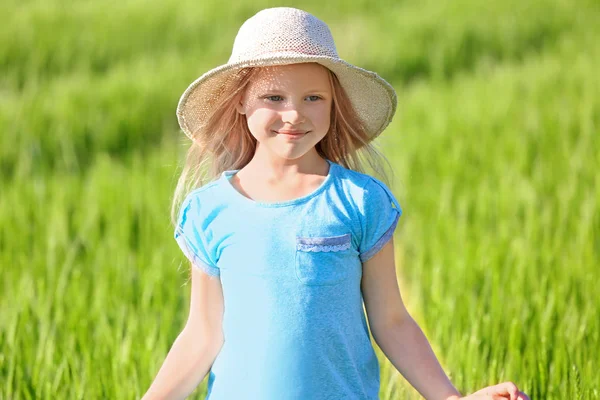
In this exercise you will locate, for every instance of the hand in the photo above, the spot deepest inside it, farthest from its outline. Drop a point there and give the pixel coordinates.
(501, 391)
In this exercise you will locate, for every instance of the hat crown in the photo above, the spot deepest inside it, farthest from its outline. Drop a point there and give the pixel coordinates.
(280, 30)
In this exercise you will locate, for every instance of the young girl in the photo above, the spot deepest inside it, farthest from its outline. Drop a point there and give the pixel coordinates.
(289, 238)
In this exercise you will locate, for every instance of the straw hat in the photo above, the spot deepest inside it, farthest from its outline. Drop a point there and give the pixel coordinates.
(284, 35)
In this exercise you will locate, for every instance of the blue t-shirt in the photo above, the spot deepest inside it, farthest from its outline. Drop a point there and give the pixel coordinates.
(294, 325)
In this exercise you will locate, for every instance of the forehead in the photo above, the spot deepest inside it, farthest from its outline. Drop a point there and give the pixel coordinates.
(292, 77)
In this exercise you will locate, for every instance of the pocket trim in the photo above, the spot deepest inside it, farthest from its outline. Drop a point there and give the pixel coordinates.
(326, 244)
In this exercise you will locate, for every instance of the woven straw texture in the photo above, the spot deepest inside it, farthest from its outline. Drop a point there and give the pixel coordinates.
(280, 36)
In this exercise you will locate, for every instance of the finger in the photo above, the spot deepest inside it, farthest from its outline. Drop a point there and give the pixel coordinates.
(505, 389)
(508, 388)
(522, 396)
(513, 390)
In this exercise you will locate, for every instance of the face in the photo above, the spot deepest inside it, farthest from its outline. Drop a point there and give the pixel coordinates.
(288, 109)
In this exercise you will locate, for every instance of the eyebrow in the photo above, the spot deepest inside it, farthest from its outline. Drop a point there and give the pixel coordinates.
(319, 90)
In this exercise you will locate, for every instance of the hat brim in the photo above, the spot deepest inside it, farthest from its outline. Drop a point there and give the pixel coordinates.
(372, 97)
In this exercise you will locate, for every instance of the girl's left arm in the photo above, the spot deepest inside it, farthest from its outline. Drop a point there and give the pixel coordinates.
(402, 340)
(397, 333)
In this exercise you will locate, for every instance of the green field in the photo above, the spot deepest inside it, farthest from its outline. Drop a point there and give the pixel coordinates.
(494, 149)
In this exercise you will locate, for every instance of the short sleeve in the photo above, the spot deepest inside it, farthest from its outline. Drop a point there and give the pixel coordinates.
(380, 212)
(190, 236)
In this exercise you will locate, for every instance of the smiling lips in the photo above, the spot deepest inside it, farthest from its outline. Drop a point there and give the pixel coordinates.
(291, 132)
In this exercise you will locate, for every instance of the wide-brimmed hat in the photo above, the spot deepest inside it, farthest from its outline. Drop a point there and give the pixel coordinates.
(280, 36)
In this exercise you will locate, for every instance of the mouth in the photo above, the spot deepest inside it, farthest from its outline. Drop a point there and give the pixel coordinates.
(291, 133)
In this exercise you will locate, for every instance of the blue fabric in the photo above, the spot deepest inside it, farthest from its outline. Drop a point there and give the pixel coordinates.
(294, 323)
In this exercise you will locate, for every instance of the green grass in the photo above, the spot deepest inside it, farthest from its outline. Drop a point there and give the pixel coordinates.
(494, 149)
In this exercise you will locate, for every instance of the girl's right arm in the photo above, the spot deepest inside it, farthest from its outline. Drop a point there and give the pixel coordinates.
(198, 344)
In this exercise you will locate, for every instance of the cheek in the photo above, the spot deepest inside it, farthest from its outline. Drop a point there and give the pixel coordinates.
(322, 117)
(260, 120)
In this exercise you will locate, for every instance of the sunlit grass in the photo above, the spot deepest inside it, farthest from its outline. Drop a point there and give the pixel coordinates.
(494, 149)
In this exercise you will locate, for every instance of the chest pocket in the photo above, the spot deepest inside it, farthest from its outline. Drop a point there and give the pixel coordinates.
(325, 260)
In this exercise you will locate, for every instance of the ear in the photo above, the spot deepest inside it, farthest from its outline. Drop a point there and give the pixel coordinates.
(239, 106)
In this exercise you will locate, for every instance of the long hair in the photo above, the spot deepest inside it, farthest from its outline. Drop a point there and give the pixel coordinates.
(224, 142)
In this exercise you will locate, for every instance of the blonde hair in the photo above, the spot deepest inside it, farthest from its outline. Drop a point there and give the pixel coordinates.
(224, 142)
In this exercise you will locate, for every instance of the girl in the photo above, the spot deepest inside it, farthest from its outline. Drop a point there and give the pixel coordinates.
(289, 237)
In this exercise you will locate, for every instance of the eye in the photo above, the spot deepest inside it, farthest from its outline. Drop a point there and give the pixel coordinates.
(270, 98)
(316, 97)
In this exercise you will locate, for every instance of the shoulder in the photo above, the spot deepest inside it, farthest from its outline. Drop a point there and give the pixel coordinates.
(353, 179)
(361, 186)
(366, 194)
(205, 192)
(202, 199)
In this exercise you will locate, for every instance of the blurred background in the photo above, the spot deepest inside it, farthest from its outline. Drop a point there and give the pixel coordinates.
(494, 151)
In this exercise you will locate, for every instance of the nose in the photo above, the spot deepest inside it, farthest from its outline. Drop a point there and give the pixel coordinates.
(292, 115)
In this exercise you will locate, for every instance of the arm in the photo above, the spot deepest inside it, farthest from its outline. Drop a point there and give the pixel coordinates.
(404, 343)
(198, 344)
(395, 331)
